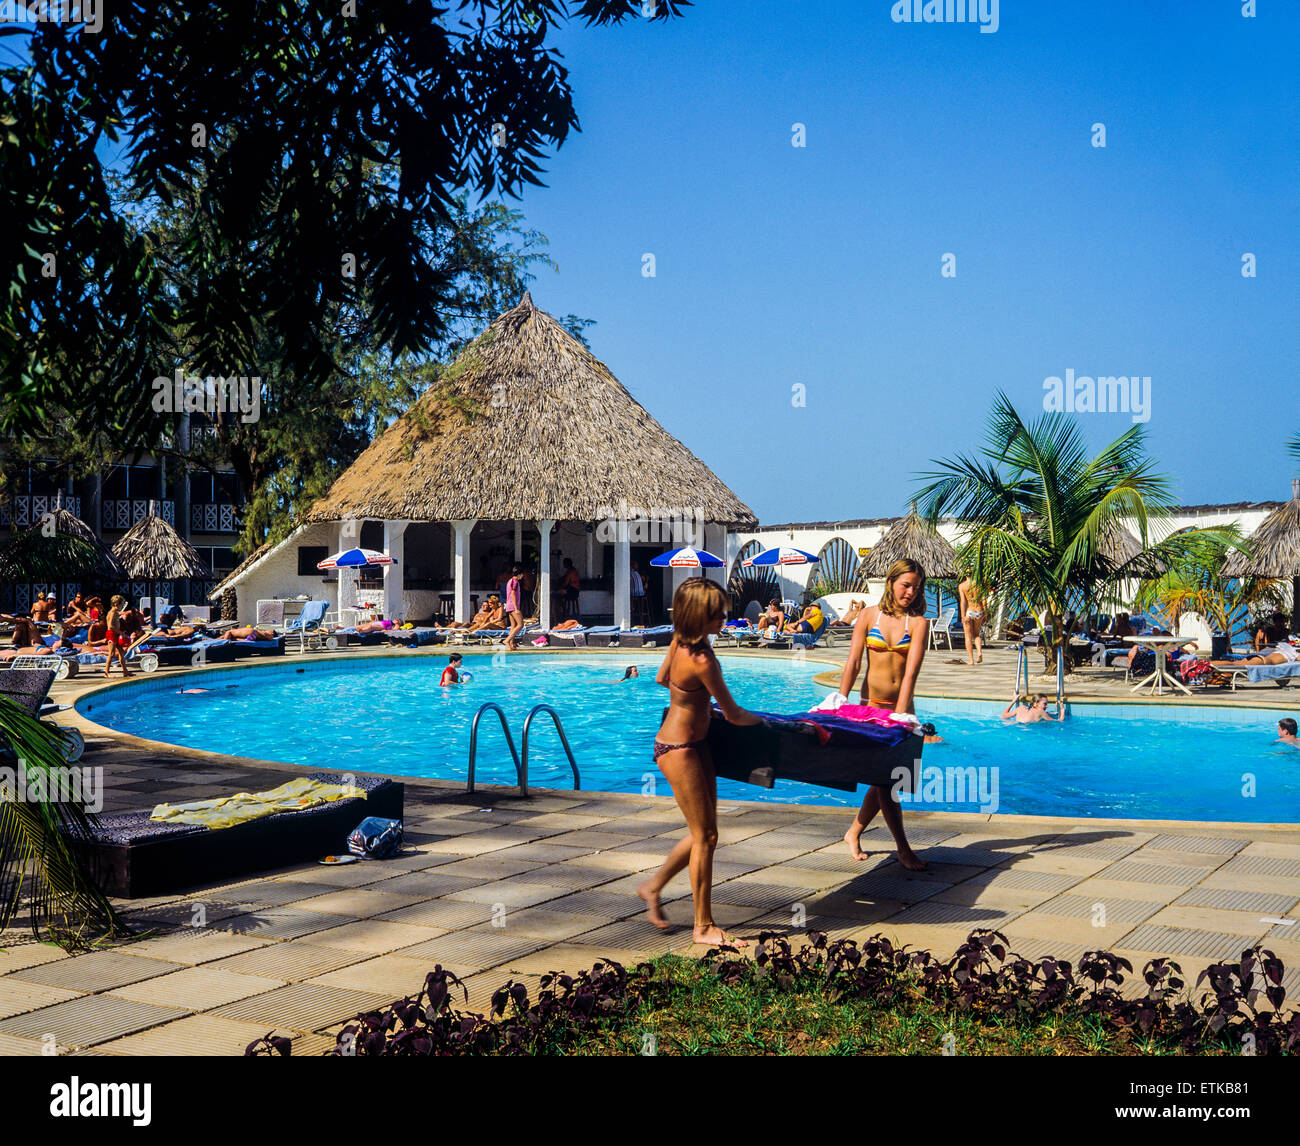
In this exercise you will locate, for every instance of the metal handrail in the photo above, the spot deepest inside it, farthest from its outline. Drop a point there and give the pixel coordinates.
(564, 740)
(520, 768)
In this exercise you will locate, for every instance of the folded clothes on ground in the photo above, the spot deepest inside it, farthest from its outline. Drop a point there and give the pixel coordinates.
(225, 811)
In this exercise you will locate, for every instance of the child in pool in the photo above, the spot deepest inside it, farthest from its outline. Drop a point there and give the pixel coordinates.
(451, 674)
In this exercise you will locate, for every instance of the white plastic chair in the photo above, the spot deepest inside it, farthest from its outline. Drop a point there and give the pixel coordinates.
(942, 627)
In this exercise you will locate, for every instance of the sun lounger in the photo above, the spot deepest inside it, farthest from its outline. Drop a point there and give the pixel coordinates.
(186, 654)
(417, 637)
(134, 856)
(576, 637)
(1281, 675)
(254, 647)
(63, 665)
(645, 638)
(29, 689)
(604, 636)
(817, 748)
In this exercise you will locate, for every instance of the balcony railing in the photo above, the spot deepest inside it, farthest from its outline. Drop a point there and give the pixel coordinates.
(27, 509)
(122, 513)
(212, 517)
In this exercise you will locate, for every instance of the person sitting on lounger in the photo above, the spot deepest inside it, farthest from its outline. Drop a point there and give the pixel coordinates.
(850, 618)
(1283, 653)
(1286, 732)
(250, 633)
(773, 618)
(809, 622)
(46, 609)
(75, 615)
(1030, 710)
(451, 674)
(26, 640)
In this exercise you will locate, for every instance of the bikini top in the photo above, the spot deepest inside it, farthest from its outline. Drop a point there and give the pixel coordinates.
(876, 639)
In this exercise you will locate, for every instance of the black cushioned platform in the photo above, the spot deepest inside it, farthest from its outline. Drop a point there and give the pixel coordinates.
(133, 856)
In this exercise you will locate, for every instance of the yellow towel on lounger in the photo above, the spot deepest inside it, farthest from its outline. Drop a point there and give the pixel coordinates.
(225, 811)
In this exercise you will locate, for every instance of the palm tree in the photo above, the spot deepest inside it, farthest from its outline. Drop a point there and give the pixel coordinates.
(39, 870)
(1196, 583)
(1044, 517)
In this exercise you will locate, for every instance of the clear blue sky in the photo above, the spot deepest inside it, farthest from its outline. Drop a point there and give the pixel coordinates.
(821, 265)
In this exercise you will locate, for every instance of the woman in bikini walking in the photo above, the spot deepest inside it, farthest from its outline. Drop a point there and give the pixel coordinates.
(692, 676)
(893, 636)
(974, 608)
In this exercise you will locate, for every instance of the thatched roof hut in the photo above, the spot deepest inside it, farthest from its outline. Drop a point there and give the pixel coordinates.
(153, 551)
(911, 536)
(1275, 549)
(526, 424)
(1118, 546)
(69, 551)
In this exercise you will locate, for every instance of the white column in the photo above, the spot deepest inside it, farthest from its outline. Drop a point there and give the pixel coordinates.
(716, 543)
(460, 560)
(519, 541)
(395, 547)
(349, 538)
(544, 575)
(623, 577)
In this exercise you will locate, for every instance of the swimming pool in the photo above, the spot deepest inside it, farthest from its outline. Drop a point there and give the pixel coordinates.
(390, 716)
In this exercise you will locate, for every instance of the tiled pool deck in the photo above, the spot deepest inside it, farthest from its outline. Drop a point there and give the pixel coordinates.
(495, 887)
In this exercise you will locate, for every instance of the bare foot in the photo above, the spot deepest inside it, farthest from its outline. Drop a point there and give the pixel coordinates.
(653, 910)
(853, 840)
(910, 860)
(979, 660)
(713, 935)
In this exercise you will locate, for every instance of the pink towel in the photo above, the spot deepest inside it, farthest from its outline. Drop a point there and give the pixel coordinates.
(866, 712)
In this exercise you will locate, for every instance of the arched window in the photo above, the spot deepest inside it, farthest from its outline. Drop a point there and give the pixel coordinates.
(757, 583)
(838, 561)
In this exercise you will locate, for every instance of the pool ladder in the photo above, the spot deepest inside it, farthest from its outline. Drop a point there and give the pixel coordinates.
(521, 765)
(1022, 672)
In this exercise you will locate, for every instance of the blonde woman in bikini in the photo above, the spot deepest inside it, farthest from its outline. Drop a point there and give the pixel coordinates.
(692, 675)
(974, 609)
(893, 637)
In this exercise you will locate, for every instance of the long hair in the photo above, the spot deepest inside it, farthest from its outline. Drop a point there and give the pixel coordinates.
(888, 602)
(697, 604)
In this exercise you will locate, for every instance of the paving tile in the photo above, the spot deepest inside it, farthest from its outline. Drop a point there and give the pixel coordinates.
(1014, 879)
(429, 885)
(935, 913)
(570, 959)
(269, 893)
(917, 835)
(1284, 931)
(444, 914)
(1135, 872)
(606, 904)
(624, 861)
(565, 821)
(471, 844)
(88, 1021)
(343, 875)
(302, 1006)
(1263, 865)
(635, 934)
(13, 1047)
(280, 923)
(1098, 849)
(1235, 881)
(1248, 923)
(571, 876)
(488, 868)
(1211, 845)
(991, 895)
(14, 956)
(377, 936)
(1185, 941)
(478, 948)
(767, 896)
(598, 840)
(678, 888)
(291, 962)
(1064, 930)
(98, 971)
(361, 902)
(863, 910)
(1039, 949)
(192, 945)
(510, 894)
(17, 997)
(832, 926)
(394, 976)
(204, 1035)
(553, 926)
(1232, 900)
(197, 988)
(888, 885)
(1280, 851)
(546, 852)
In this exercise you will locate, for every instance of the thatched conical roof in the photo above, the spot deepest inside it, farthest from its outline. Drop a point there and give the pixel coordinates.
(1275, 544)
(153, 551)
(911, 536)
(1118, 546)
(45, 554)
(526, 424)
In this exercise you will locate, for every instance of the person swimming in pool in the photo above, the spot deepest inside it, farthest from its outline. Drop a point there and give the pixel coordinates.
(1031, 710)
(628, 674)
(892, 636)
(451, 674)
(692, 675)
(1286, 732)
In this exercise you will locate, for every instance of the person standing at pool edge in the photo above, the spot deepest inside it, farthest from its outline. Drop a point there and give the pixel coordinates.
(971, 600)
(692, 675)
(893, 636)
(514, 588)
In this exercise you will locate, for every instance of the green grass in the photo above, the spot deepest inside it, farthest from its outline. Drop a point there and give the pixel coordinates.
(691, 1012)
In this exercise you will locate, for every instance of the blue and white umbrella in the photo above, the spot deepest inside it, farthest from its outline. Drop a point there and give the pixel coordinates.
(782, 555)
(687, 558)
(352, 558)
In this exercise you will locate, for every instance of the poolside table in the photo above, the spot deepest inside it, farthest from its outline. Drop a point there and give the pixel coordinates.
(1157, 679)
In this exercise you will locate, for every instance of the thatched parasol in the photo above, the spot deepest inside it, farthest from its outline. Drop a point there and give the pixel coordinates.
(1118, 546)
(61, 548)
(911, 536)
(151, 550)
(1275, 548)
(526, 424)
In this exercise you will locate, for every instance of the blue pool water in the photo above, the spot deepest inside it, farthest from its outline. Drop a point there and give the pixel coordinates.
(392, 717)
